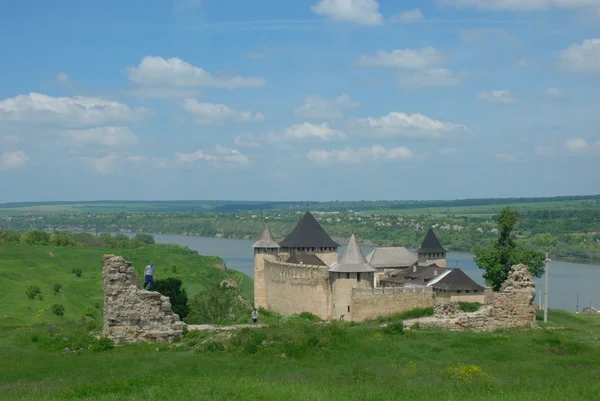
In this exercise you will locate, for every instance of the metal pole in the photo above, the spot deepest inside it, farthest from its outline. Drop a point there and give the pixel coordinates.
(546, 286)
(577, 309)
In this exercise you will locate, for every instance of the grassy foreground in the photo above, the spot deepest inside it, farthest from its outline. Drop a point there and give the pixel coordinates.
(297, 360)
(45, 266)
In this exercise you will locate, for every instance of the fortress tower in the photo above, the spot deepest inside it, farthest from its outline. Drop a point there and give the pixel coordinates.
(266, 248)
(309, 238)
(351, 271)
(431, 251)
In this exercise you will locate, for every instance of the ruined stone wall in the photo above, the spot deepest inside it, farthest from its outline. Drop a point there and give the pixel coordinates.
(511, 307)
(132, 315)
(446, 297)
(292, 288)
(370, 303)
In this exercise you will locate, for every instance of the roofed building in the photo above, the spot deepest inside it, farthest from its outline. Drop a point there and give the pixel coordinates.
(431, 251)
(454, 285)
(387, 260)
(415, 276)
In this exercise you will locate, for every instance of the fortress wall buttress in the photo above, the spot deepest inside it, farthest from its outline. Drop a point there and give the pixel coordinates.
(292, 288)
(260, 297)
(370, 303)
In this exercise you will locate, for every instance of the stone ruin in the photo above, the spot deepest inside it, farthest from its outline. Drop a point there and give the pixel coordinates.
(511, 307)
(131, 314)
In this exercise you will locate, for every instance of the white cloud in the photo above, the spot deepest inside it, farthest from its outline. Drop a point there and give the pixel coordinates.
(13, 160)
(105, 165)
(407, 59)
(63, 78)
(497, 96)
(413, 126)
(553, 93)
(355, 156)
(308, 131)
(162, 93)
(580, 145)
(106, 136)
(479, 35)
(509, 157)
(316, 107)
(434, 77)
(157, 71)
(69, 111)
(523, 5)
(582, 58)
(220, 155)
(362, 12)
(409, 16)
(212, 113)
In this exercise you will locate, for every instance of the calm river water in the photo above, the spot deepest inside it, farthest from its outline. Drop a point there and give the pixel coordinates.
(566, 279)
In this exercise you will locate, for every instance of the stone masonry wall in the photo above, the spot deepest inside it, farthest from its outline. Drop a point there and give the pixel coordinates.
(132, 315)
(292, 288)
(370, 303)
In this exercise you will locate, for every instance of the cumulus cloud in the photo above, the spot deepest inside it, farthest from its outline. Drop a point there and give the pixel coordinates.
(406, 59)
(582, 58)
(434, 77)
(409, 16)
(106, 136)
(361, 12)
(355, 156)
(413, 126)
(308, 131)
(523, 5)
(212, 113)
(68, 111)
(316, 107)
(158, 71)
(497, 96)
(220, 155)
(13, 160)
(580, 145)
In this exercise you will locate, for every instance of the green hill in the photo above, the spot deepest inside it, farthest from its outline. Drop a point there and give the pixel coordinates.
(45, 266)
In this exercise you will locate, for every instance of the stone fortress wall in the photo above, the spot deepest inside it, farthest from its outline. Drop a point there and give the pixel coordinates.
(292, 288)
(131, 314)
(370, 303)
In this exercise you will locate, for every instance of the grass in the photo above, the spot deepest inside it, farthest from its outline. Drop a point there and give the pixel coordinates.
(45, 266)
(299, 360)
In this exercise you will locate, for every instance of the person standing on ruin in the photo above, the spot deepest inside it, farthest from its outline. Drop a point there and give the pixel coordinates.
(149, 276)
(254, 315)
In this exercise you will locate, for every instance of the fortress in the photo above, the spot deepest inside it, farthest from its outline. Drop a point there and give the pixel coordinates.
(303, 273)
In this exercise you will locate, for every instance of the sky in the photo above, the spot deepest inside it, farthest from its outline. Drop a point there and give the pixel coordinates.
(298, 100)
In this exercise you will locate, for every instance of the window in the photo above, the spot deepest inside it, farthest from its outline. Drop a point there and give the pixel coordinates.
(358, 277)
(347, 275)
(348, 308)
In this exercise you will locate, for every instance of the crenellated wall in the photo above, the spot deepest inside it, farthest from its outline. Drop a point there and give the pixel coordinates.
(292, 288)
(370, 303)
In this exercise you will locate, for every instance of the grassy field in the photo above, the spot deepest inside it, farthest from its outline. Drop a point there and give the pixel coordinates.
(301, 361)
(44, 266)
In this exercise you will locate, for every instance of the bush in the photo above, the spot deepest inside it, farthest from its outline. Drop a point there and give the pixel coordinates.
(40, 297)
(214, 305)
(309, 316)
(77, 271)
(213, 346)
(57, 288)
(103, 344)
(469, 306)
(9, 237)
(32, 291)
(61, 239)
(145, 238)
(35, 237)
(58, 309)
(394, 328)
(172, 288)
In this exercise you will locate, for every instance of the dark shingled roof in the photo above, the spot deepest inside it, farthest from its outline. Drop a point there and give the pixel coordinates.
(305, 259)
(431, 243)
(308, 233)
(421, 276)
(457, 280)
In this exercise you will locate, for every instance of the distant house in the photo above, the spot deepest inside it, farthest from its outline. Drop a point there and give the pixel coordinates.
(455, 285)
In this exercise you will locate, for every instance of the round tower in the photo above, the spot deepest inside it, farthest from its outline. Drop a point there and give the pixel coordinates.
(266, 248)
(352, 271)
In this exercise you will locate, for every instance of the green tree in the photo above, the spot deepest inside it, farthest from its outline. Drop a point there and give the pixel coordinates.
(145, 238)
(172, 288)
(217, 305)
(498, 258)
(35, 237)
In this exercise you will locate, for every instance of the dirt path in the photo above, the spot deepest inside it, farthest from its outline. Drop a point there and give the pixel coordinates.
(199, 327)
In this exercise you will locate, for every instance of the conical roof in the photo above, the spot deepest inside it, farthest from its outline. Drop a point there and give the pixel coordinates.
(431, 243)
(266, 239)
(353, 260)
(308, 233)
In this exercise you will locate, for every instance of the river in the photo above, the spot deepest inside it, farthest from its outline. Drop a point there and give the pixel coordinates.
(566, 279)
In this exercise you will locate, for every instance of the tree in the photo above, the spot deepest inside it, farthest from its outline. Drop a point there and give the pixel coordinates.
(35, 237)
(171, 287)
(217, 305)
(498, 258)
(145, 238)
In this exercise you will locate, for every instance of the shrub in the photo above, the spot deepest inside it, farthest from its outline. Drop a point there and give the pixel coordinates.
(213, 305)
(77, 271)
(58, 309)
(35, 237)
(61, 239)
(394, 328)
(309, 316)
(174, 269)
(32, 291)
(172, 288)
(213, 346)
(40, 297)
(145, 238)
(9, 237)
(103, 344)
(469, 306)
(89, 312)
(57, 288)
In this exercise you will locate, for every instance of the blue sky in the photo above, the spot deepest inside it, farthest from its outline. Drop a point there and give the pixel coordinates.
(299, 100)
